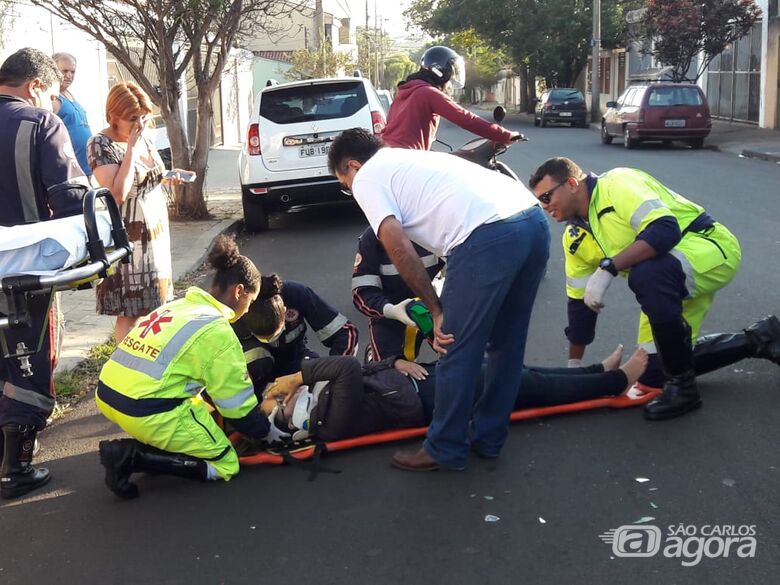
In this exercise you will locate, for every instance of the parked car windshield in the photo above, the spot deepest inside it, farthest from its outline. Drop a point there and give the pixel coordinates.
(558, 96)
(675, 96)
(309, 103)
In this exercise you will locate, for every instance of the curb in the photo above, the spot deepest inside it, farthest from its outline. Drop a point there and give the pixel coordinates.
(767, 156)
(226, 226)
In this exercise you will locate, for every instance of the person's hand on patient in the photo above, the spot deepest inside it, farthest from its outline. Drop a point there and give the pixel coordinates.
(283, 386)
(411, 369)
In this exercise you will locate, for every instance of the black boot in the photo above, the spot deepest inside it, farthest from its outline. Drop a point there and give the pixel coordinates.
(764, 337)
(123, 457)
(680, 394)
(17, 475)
(719, 350)
(117, 457)
(154, 460)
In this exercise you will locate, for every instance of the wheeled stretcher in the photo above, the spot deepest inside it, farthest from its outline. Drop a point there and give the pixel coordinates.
(253, 454)
(37, 260)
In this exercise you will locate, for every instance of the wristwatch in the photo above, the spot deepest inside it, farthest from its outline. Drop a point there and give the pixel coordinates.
(608, 265)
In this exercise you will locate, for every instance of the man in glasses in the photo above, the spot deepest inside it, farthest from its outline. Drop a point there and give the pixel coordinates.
(496, 242)
(675, 255)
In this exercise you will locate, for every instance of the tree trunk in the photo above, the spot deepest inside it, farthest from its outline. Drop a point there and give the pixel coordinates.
(523, 105)
(194, 197)
(530, 80)
(180, 156)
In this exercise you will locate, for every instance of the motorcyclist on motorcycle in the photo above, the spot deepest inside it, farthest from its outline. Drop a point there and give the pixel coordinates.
(421, 99)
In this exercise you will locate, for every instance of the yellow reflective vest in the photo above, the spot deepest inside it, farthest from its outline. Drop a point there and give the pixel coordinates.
(623, 203)
(180, 348)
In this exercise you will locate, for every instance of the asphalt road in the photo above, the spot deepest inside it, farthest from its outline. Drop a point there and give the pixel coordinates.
(560, 483)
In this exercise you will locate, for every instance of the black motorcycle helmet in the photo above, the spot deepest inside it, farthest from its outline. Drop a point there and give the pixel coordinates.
(445, 65)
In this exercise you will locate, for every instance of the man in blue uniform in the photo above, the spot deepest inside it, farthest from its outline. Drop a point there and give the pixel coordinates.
(39, 180)
(379, 292)
(283, 352)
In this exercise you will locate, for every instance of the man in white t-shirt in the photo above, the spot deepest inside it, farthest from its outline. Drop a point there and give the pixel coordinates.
(496, 241)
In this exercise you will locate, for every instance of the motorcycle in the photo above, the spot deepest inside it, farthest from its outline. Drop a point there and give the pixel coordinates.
(484, 152)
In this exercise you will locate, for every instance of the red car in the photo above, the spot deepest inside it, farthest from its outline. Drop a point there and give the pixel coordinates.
(658, 111)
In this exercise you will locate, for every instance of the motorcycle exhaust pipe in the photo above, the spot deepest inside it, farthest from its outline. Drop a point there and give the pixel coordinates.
(286, 198)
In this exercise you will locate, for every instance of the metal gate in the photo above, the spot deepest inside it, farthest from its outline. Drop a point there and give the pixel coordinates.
(734, 79)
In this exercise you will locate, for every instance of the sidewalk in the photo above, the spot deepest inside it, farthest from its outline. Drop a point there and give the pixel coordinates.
(190, 240)
(745, 140)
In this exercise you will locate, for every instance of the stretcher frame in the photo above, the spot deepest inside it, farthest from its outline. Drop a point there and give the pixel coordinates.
(20, 289)
(308, 449)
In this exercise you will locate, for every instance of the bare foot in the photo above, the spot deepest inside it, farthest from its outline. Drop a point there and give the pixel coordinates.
(635, 366)
(613, 360)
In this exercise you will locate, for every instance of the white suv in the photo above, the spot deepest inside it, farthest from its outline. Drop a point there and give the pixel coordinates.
(284, 162)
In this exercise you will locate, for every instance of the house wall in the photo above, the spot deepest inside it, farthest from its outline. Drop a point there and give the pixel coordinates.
(237, 95)
(265, 69)
(769, 116)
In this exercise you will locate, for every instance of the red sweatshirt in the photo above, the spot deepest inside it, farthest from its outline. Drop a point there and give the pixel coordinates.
(414, 118)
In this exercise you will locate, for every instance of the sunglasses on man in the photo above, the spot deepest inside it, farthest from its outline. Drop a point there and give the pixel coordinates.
(547, 195)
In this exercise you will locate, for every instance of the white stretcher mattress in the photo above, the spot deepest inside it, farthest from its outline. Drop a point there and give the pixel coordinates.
(47, 247)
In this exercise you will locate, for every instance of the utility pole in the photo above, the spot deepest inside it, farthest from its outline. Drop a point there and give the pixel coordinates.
(595, 78)
(319, 27)
(368, 46)
(382, 49)
(378, 81)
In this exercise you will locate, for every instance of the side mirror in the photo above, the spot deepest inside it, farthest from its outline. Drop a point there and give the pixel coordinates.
(612, 104)
(499, 114)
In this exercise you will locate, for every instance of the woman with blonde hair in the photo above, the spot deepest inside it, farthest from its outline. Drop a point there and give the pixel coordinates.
(125, 161)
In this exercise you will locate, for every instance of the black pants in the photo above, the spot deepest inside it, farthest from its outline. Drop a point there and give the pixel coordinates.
(387, 337)
(544, 386)
(29, 400)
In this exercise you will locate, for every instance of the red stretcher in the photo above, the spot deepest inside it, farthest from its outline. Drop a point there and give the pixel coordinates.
(308, 450)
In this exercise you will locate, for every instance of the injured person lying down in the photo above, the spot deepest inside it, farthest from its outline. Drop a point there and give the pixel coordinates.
(335, 398)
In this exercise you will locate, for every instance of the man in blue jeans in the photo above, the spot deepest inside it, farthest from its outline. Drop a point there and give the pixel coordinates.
(496, 241)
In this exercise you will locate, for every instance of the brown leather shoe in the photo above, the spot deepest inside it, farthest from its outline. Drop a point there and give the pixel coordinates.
(414, 461)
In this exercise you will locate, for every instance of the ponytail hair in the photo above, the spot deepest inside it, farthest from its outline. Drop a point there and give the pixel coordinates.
(266, 314)
(269, 286)
(231, 267)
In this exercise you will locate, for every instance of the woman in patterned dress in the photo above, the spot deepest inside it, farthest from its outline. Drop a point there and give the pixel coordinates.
(126, 162)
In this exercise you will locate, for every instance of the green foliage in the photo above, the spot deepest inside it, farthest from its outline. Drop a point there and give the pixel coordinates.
(682, 29)
(323, 62)
(397, 67)
(85, 375)
(483, 62)
(372, 45)
(551, 37)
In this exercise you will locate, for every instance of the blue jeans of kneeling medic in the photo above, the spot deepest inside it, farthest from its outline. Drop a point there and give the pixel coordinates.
(491, 284)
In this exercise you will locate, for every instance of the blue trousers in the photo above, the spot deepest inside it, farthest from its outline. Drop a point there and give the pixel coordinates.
(491, 284)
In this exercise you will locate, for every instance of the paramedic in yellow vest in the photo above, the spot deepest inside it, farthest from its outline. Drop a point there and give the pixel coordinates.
(674, 254)
(150, 386)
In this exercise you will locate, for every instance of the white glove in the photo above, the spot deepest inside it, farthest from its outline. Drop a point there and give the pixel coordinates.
(596, 289)
(275, 434)
(398, 312)
(572, 363)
